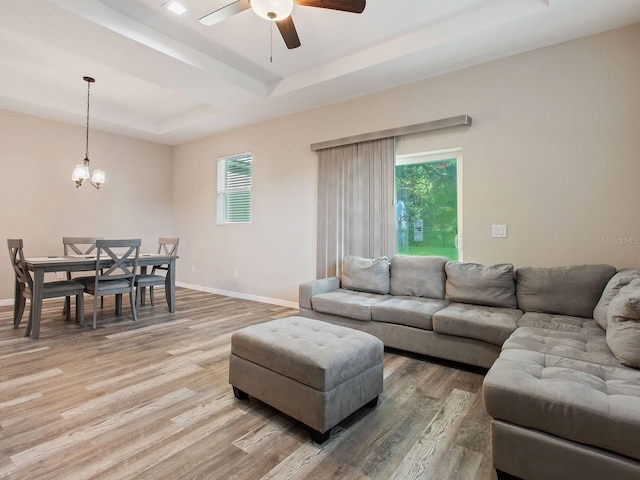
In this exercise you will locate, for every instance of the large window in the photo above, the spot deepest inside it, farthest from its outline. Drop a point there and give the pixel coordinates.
(234, 189)
(427, 209)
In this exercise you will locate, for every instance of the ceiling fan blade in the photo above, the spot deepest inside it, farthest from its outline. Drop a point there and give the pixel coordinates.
(225, 12)
(353, 6)
(288, 32)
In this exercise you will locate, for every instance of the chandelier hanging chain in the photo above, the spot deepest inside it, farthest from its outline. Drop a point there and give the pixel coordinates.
(82, 171)
(86, 155)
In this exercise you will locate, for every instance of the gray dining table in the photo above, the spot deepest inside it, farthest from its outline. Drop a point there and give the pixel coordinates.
(85, 263)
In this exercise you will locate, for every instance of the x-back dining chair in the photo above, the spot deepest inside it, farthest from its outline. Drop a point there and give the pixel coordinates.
(118, 278)
(78, 246)
(24, 282)
(166, 246)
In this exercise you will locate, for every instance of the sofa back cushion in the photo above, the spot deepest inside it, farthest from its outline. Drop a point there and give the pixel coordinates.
(491, 285)
(365, 274)
(573, 290)
(619, 280)
(418, 276)
(623, 332)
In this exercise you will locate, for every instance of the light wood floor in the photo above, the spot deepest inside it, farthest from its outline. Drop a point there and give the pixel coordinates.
(150, 400)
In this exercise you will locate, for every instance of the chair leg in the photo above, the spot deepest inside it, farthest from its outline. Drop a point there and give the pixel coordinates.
(80, 309)
(118, 304)
(67, 305)
(101, 303)
(132, 301)
(67, 308)
(19, 311)
(30, 323)
(95, 312)
(167, 294)
(151, 296)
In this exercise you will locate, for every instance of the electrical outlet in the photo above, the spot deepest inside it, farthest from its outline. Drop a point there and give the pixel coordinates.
(235, 274)
(193, 268)
(60, 275)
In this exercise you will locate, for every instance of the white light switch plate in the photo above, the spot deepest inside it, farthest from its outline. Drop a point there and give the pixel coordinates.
(499, 231)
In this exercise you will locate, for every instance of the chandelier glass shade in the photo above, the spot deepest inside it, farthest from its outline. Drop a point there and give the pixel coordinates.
(274, 10)
(82, 171)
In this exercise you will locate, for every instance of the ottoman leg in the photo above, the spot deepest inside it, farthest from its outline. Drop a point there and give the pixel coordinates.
(372, 403)
(505, 476)
(239, 394)
(319, 437)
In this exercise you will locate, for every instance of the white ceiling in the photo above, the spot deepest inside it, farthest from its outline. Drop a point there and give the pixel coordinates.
(170, 79)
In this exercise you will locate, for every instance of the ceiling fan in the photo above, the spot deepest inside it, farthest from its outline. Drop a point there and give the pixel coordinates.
(279, 11)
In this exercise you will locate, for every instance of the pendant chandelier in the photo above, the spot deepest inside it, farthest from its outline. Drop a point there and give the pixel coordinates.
(82, 172)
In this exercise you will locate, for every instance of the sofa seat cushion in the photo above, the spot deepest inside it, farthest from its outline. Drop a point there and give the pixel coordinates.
(347, 303)
(573, 290)
(580, 401)
(588, 348)
(562, 323)
(489, 324)
(411, 311)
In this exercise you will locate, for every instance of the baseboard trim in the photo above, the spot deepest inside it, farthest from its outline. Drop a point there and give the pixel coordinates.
(9, 302)
(243, 296)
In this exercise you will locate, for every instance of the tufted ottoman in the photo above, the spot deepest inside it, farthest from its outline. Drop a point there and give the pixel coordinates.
(313, 371)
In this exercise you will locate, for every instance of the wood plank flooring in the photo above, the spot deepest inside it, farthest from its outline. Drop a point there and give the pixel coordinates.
(150, 400)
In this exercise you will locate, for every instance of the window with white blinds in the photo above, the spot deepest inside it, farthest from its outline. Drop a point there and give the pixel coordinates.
(234, 189)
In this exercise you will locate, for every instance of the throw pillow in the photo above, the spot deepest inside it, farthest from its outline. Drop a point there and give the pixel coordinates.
(619, 280)
(365, 274)
(490, 285)
(623, 332)
(418, 276)
(573, 290)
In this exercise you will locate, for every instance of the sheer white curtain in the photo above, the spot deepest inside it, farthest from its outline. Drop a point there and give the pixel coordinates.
(356, 214)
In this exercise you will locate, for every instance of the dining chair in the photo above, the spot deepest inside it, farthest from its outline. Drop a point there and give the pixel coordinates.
(118, 277)
(166, 246)
(78, 246)
(24, 282)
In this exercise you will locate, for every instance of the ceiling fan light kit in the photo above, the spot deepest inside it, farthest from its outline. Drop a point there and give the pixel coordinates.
(274, 10)
(279, 11)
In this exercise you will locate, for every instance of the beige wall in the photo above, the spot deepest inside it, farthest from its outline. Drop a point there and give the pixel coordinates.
(274, 253)
(41, 204)
(552, 153)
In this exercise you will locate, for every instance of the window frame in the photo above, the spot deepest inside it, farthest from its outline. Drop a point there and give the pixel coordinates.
(224, 191)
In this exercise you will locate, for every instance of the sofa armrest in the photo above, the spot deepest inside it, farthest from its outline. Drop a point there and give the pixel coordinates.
(316, 287)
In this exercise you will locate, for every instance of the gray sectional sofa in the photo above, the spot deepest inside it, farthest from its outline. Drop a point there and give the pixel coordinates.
(456, 311)
(562, 346)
